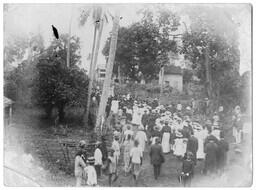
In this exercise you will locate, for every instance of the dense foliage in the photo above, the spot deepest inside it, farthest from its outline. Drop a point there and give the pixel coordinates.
(213, 40)
(144, 46)
(44, 79)
(56, 85)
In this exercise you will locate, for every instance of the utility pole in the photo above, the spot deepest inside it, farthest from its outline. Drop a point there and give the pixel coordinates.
(107, 81)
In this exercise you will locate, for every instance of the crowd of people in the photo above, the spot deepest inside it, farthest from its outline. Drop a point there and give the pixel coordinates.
(167, 129)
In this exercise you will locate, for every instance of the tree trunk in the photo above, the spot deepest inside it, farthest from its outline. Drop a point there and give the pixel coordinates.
(208, 73)
(161, 85)
(48, 111)
(107, 81)
(61, 113)
(86, 114)
(69, 37)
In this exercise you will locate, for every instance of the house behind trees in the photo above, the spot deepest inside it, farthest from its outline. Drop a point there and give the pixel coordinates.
(173, 77)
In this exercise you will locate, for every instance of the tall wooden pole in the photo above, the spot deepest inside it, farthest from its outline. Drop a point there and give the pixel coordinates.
(90, 78)
(93, 66)
(107, 81)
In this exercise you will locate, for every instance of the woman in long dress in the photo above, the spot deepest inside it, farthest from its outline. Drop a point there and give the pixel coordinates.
(200, 135)
(135, 115)
(166, 134)
(128, 144)
(179, 147)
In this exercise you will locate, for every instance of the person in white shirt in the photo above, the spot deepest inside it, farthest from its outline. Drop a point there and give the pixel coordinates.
(116, 148)
(136, 156)
(80, 160)
(128, 132)
(91, 172)
(98, 159)
(141, 137)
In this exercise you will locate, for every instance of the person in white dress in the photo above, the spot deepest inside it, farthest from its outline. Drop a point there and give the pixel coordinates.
(116, 148)
(90, 172)
(128, 132)
(98, 159)
(141, 137)
(135, 114)
(179, 145)
(166, 134)
(114, 106)
(200, 134)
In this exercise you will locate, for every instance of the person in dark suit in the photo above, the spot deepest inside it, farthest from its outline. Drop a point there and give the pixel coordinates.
(223, 148)
(156, 157)
(144, 119)
(211, 150)
(187, 169)
(192, 146)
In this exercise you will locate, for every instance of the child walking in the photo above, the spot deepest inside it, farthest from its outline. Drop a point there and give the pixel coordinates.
(112, 167)
(187, 170)
(91, 172)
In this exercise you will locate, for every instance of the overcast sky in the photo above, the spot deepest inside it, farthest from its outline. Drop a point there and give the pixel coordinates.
(33, 18)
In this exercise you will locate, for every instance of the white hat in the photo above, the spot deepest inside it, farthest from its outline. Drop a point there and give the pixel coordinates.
(141, 127)
(188, 108)
(178, 134)
(185, 123)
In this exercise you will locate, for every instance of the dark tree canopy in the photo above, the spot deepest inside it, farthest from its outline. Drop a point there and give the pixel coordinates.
(144, 46)
(214, 29)
(57, 85)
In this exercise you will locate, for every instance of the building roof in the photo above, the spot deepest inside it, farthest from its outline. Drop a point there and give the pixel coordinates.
(7, 102)
(172, 70)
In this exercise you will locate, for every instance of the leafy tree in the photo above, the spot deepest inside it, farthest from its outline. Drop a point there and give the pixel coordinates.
(212, 42)
(58, 50)
(144, 46)
(19, 80)
(56, 85)
(14, 49)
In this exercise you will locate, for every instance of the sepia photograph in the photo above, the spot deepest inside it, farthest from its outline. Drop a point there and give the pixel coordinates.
(127, 95)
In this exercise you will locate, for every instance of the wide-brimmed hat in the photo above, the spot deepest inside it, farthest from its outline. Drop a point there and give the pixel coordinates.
(185, 123)
(208, 122)
(188, 108)
(178, 134)
(82, 143)
(90, 160)
(111, 150)
(141, 127)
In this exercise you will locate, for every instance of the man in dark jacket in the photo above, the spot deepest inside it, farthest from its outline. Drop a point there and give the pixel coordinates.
(192, 146)
(187, 170)
(211, 149)
(223, 148)
(156, 157)
(144, 119)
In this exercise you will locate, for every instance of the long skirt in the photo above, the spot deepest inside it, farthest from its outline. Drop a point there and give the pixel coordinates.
(179, 147)
(200, 152)
(126, 161)
(166, 143)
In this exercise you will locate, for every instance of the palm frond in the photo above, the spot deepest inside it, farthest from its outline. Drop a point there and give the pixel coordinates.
(84, 17)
